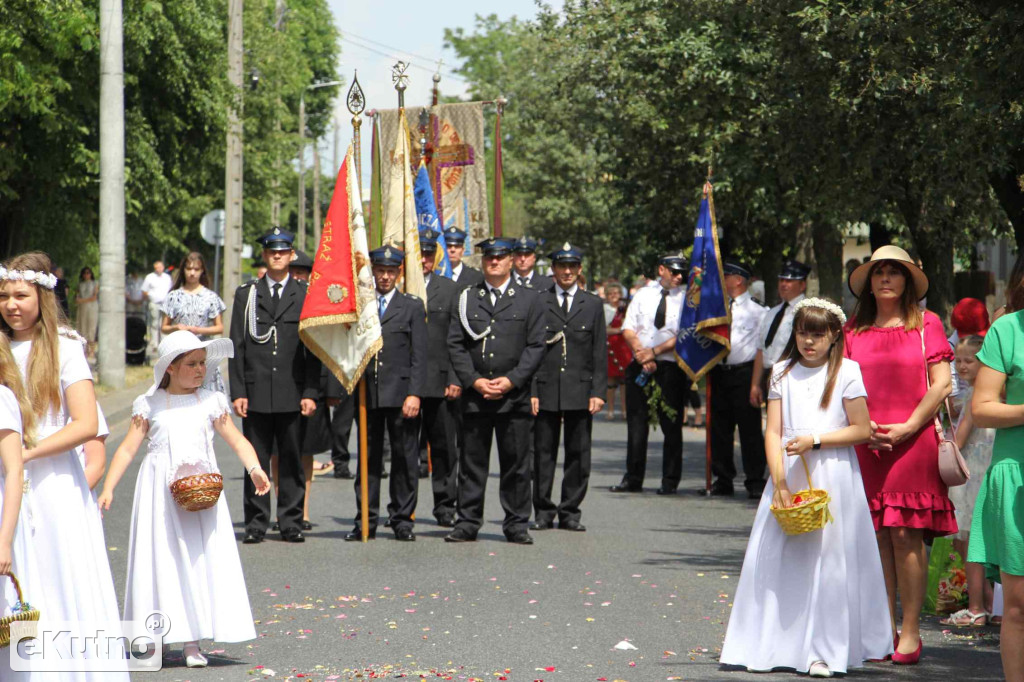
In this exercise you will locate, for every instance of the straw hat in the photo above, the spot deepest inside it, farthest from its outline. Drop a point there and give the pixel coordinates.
(180, 342)
(859, 277)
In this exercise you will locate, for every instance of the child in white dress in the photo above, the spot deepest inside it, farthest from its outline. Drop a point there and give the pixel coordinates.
(814, 602)
(184, 563)
(72, 581)
(16, 557)
(976, 445)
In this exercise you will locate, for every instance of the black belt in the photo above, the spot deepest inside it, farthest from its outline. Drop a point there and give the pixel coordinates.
(742, 365)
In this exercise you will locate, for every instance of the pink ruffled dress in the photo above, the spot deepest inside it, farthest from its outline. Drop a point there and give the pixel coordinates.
(903, 486)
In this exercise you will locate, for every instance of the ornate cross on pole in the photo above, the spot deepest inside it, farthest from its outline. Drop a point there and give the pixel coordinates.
(356, 102)
(401, 80)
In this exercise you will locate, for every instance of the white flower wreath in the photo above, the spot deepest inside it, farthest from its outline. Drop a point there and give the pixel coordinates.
(43, 279)
(822, 303)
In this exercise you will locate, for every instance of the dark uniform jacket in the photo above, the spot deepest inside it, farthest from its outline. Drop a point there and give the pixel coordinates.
(442, 306)
(569, 382)
(273, 376)
(469, 277)
(400, 368)
(514, 347)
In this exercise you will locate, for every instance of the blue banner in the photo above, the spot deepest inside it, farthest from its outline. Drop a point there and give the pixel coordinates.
(426, 215)
(703, 338)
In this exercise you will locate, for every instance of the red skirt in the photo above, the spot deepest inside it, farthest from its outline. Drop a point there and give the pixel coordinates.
(619, 356)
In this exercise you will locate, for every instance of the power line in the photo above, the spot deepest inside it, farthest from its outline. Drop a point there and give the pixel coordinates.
(386, 47)
(398, 55)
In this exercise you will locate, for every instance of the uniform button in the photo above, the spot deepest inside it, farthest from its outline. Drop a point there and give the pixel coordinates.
(563, 369)
(491, 355)
(492, 321)
(275, 369)
(492, 336)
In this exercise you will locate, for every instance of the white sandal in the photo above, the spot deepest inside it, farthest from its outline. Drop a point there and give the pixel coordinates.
(819, 669)
(196, 658)
(965, 618)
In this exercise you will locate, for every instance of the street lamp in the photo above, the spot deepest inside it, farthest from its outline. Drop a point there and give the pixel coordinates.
(302, 158)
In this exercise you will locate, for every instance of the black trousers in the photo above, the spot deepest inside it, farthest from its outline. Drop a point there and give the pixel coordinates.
(675, 386)
(404, 481)
(512, 430)
(730, 408)
(341, 429)
(265, 430)
(576, 470)
(439, 431)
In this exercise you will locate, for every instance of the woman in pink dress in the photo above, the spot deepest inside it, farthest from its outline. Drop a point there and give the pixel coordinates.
(906, 496)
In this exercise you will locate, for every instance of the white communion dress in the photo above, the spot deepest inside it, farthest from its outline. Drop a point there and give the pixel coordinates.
(72, 581)
(819, 595)
(184, 563)
(23, 563)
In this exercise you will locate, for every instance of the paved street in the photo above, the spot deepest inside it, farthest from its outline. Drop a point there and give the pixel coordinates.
(652, 573)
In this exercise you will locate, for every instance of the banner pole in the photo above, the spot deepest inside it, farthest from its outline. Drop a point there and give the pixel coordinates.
(356, 102)
(498, 179)
(707, 435)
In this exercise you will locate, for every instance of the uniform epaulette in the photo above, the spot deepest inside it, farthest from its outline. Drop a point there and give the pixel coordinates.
(247, 284)
(413, 297)
(303, 282)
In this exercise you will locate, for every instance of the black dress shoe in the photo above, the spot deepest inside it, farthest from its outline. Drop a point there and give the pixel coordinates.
(276, 526)
(356, 536)
(405, 535)
(626, 488)
(306, 524)
(722, 490)
(755, 494)
(460, 535)
(252, 538)
(342, 473)
(542, 525)
(293, 535)
(666, 491)
(446, 521)
(387, 524)
(572, 525)
(520, 538)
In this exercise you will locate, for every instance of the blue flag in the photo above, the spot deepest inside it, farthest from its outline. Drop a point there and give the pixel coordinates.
(704, 321)
(426, 214)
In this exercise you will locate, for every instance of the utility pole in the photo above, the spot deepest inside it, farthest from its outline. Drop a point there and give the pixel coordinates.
(301, 236)
(316, 193)
(233, 167)
(111, 345)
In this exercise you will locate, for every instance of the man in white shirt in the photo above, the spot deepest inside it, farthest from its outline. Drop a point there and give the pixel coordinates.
(135, 302)
(650, 329)
(777, 327)
(155, 288)
(730, 391)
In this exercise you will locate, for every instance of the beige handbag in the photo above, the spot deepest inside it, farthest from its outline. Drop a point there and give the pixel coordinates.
(952, 467)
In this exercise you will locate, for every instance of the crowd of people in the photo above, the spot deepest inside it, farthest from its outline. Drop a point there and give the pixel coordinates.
(527, 359)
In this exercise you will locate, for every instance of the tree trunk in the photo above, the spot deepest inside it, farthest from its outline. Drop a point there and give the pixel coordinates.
(828, 259)
(879, 235)
(1006, 185)
(931, 242)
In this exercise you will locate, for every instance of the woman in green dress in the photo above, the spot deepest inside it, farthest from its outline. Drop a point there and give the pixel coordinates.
(997, 530)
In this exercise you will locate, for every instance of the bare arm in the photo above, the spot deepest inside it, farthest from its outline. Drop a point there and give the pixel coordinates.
(95, 460)
(243, 448)
(167, 326)
(214, 329)
(10, 456)
(942, 385)
(987, 407)
(122, 458)
(965, 427)
(858, 431)
(80, 398)
(773, 452)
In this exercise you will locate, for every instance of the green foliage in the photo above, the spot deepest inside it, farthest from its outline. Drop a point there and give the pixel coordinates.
(815, 115)
(176, 97)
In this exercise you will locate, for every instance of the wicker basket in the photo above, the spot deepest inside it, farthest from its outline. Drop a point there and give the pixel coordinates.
(198, 492)
(810, 514)
(26, 614)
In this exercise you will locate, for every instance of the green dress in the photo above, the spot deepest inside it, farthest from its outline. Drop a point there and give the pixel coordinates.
(997, 530)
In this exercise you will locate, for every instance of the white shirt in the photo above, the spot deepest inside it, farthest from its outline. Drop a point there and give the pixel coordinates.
(743, 334)
(388, 297)
(498, 291)
(456, 271)
(559, 291)
(156, 287)
(640, 317)
(773, 353)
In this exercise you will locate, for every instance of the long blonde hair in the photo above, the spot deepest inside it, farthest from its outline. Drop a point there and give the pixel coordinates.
(42, 377)
(11, 378)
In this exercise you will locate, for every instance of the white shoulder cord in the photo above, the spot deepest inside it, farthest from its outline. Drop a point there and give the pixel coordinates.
(465, 323)
(250, 314)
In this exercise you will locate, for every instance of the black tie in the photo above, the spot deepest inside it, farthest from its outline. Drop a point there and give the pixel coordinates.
(659, 315)
(565, 303)
(775, 324)
(275, 297)
(495, 295)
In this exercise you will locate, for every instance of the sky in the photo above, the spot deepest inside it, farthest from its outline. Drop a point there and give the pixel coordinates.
(377, 33)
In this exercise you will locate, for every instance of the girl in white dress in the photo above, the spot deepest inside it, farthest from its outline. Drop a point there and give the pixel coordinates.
(814, 602)
(16, 425)
(180, 562)
(72, 582)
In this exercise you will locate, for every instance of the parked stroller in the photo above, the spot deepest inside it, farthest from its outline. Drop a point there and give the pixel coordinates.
(134, 341)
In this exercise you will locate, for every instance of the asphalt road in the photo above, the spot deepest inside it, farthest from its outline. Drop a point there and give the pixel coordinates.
(643, 595)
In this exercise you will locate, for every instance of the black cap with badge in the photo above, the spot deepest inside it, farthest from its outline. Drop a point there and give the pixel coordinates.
(735, 267)
(277, 240)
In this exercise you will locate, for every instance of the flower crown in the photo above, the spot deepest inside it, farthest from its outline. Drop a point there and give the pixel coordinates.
(43, 279)
(825, 304)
